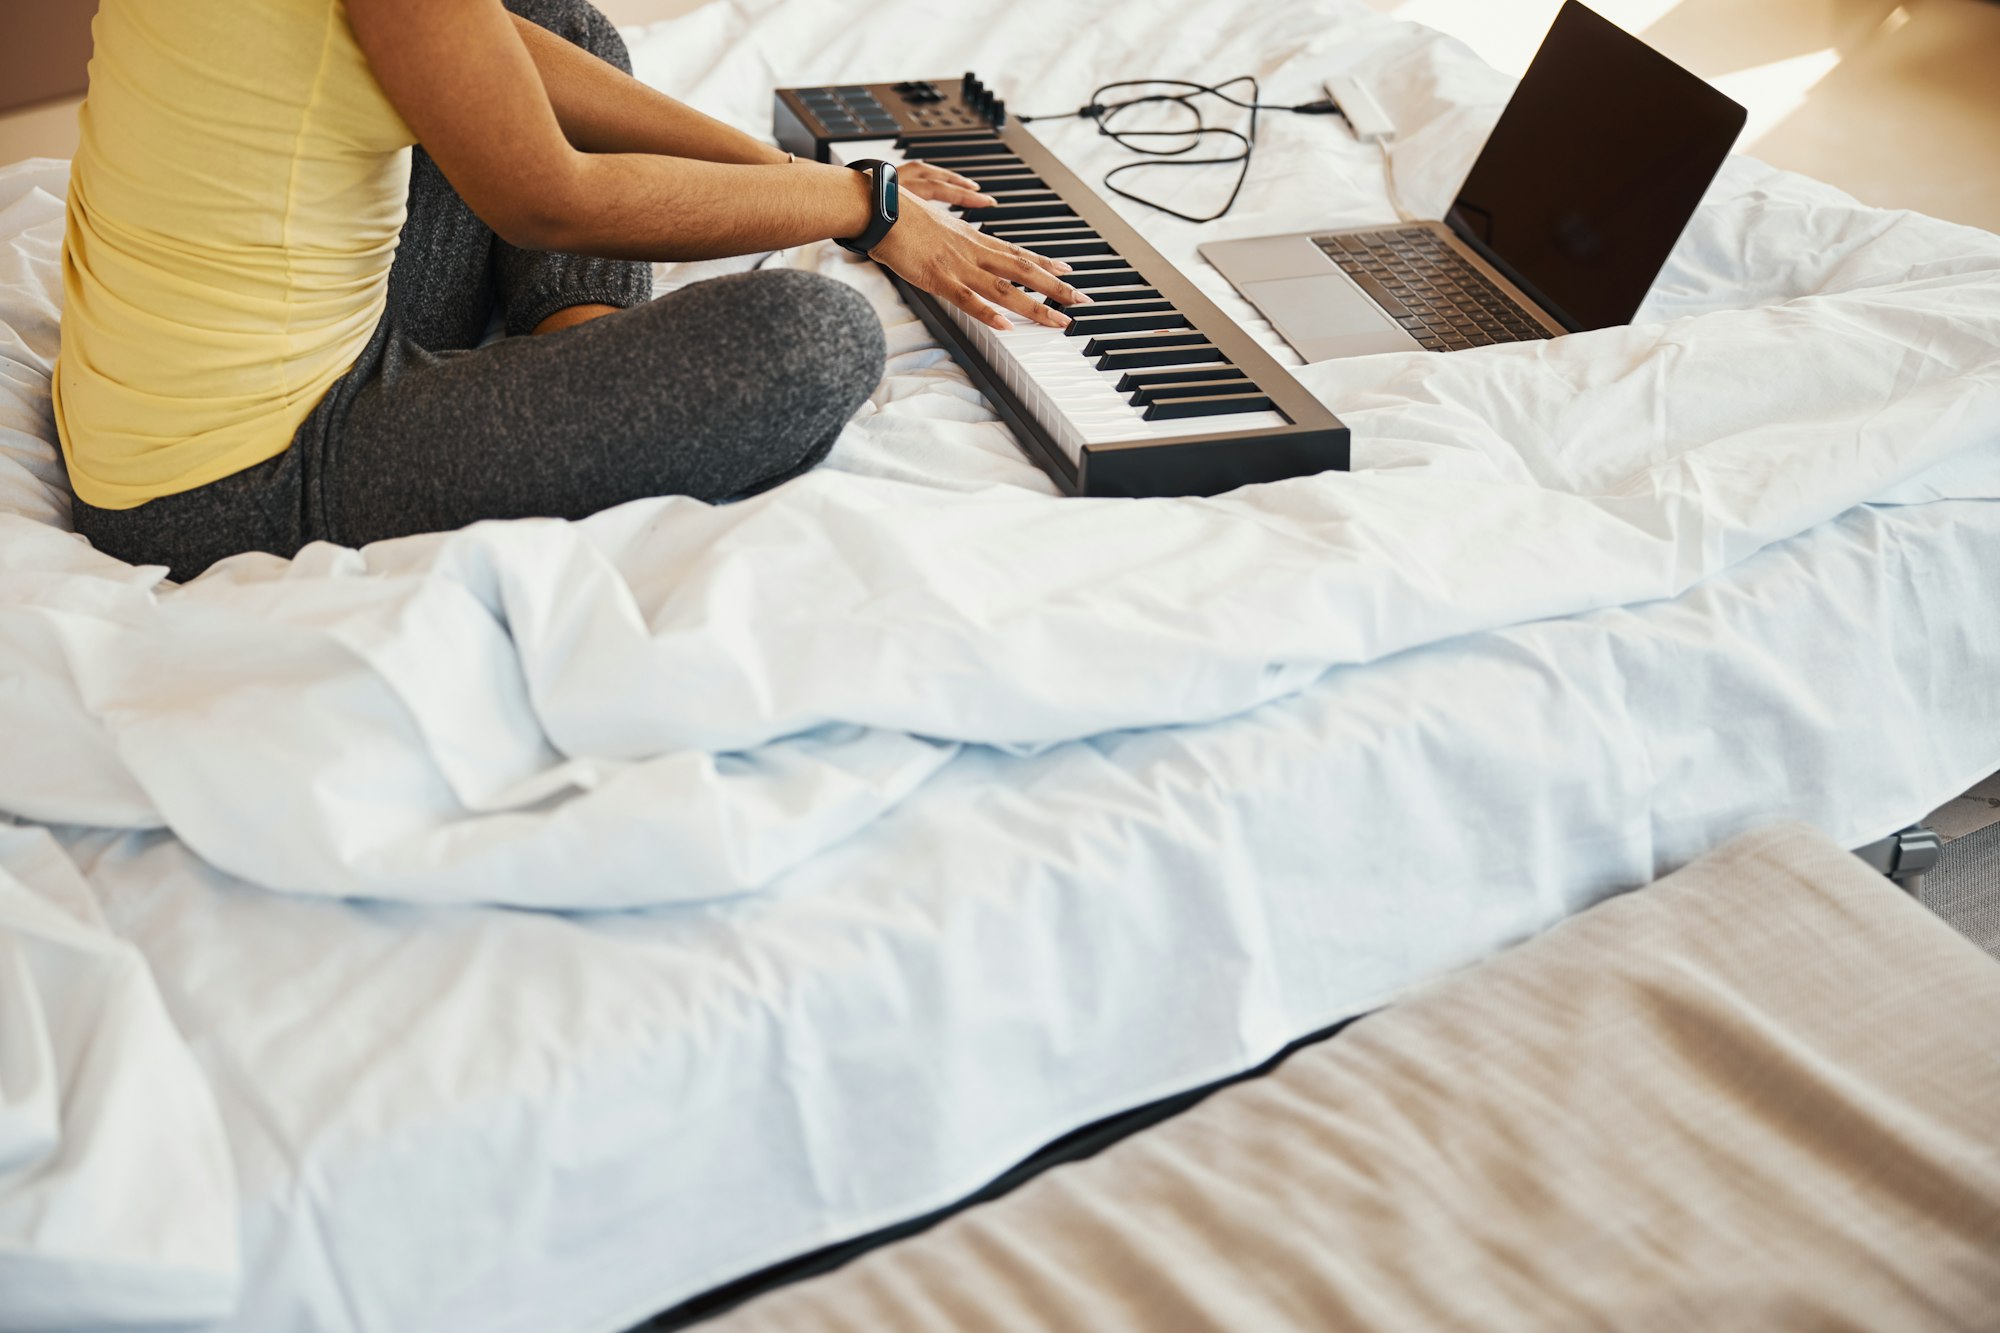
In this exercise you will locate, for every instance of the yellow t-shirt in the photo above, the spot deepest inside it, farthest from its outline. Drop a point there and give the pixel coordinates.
(233, 210)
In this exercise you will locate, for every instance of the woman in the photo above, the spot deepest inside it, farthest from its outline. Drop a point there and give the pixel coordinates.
(272, 304)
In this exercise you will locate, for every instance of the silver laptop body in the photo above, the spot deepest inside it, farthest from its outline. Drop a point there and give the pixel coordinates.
(1564, 221)
(1324, 310)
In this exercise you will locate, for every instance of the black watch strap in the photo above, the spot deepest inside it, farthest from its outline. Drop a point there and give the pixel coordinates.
(885, 200)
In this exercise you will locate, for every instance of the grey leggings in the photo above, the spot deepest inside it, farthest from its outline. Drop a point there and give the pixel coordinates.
(718, 390)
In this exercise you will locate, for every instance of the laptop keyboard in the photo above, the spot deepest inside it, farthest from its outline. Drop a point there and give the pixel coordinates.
(1442, 301)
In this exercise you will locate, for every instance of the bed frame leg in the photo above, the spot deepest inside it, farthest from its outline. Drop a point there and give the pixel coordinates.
(1904, 856)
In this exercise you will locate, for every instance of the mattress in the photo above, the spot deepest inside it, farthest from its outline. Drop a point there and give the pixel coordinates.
(1661, 1114)
(556, 920)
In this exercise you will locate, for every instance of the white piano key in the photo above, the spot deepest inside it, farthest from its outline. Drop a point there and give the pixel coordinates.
(1063, 390)
(1066, 393)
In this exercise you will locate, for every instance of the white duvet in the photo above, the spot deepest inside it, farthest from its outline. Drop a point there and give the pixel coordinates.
(673, 702)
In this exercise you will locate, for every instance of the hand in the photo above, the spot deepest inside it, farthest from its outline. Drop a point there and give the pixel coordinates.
(956, 262)
(927, 181)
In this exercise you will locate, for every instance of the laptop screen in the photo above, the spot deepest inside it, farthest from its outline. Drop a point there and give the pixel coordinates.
(1595, 167)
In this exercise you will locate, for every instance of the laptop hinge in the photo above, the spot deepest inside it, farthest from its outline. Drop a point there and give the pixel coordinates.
(1455, 220)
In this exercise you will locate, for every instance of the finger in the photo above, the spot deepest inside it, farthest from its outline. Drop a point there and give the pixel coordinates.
(931, 170)
(948, 189)
(969, 301)
(1007, 295)
(961, 197)
(952, 180)
(1033, 276)
(1047, 265)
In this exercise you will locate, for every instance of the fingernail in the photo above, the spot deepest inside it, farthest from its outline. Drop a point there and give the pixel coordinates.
(1063, 320)
(1071, 296)
(1062, 267)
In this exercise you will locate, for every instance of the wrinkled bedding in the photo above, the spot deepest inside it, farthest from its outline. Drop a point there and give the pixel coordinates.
(489, 705)
(848, 736)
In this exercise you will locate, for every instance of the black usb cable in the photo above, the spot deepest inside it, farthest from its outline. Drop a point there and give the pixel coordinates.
(1105, 113)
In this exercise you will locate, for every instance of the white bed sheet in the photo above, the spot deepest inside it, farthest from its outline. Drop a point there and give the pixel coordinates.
(448, 1118)
(480, 1118)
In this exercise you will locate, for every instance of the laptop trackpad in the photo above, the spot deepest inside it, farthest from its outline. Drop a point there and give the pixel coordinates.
(1327, 316)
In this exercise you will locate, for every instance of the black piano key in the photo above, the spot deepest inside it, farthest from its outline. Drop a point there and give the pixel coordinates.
(1002, 177)
(1138, 292)
(1134, 342)
(910, 143)
(988, 184)
(1026, 199)
(1168, 354)
(1146, 379)
(939, 135)
(1035, 230)
(1067, 222)
(1091, 265)
(1053, 211)
(1068, 249)
(1101, 297)
(1088, 325)
(1044, 233)
(947, 151)
(1191, 389)
(1054, 228)
(1024, 196)
(1088, 275)
(1026, 205)
(1170, 409)
(972, 166)
(1099, 306)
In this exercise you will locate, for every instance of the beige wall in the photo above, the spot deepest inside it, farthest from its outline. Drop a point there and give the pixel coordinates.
(1895, 101)
(44, 45)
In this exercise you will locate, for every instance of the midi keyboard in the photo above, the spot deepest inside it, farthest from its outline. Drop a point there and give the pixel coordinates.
(1151, 390)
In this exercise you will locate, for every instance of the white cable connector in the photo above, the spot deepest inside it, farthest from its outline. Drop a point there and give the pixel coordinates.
(1365, 116)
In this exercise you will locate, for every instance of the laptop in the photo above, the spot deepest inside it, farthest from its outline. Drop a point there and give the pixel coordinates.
(1563, 223)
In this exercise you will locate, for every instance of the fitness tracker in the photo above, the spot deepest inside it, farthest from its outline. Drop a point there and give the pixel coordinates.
(885, 199)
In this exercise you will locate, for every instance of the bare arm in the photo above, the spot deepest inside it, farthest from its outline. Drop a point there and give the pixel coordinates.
(462, 76)
(602, 109)
(463, 79)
